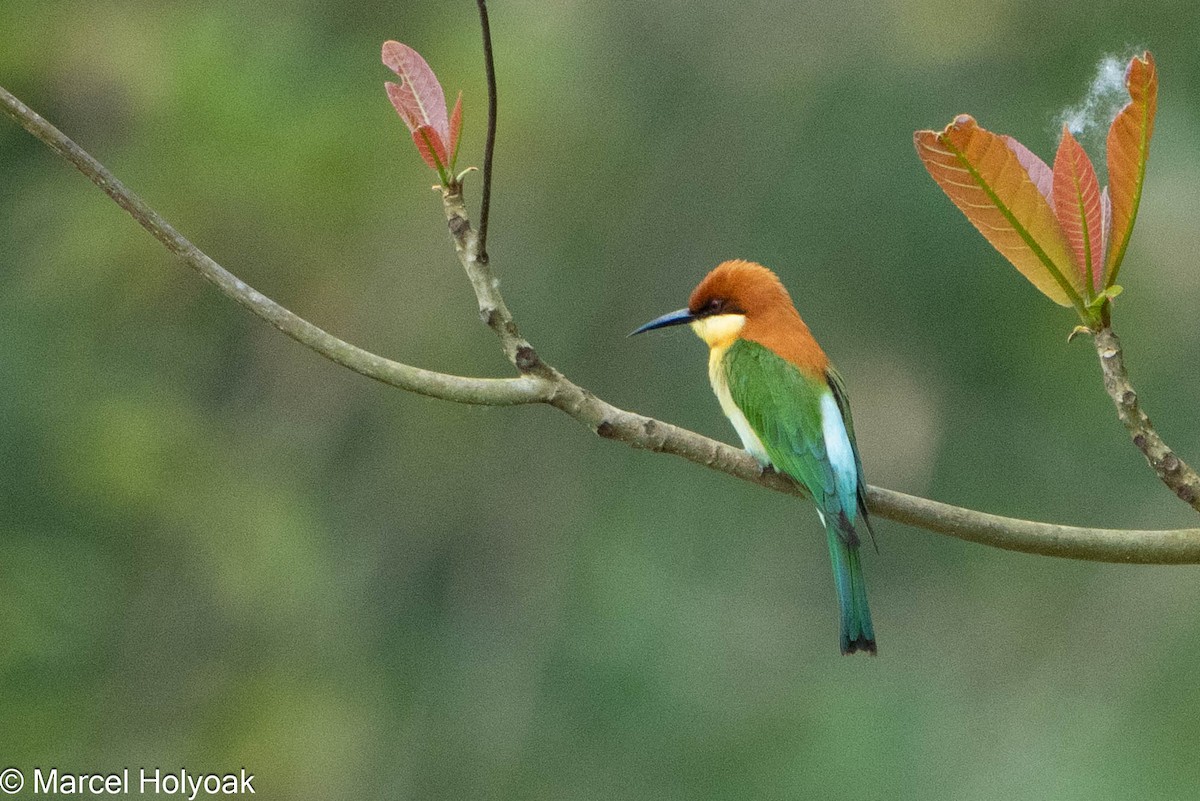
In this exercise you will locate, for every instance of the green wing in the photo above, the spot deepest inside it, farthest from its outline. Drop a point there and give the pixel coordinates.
(843, 401)
(786, 409)
(783, 406)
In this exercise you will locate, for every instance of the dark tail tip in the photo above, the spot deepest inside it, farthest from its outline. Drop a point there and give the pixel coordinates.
(859, 644)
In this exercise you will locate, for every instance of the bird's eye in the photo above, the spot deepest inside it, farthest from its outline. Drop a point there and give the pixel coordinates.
(714, 306)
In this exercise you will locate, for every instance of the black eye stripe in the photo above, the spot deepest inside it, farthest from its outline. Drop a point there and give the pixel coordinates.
(713, 307)
(717, 306)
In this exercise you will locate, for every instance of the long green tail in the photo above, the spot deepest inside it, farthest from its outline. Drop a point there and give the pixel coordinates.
(857, 632)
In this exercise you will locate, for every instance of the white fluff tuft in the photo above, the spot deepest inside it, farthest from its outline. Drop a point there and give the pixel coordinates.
(1105, 97)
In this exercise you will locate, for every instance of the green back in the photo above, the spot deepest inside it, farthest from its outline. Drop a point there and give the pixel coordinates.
(783, 406)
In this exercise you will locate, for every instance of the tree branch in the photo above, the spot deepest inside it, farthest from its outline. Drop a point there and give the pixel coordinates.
(1170, 469)
(484, 391)
(492, 308)
(1180, 546)
(540, 383)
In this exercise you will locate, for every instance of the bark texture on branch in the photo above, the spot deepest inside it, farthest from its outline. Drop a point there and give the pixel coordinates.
(1170, 469)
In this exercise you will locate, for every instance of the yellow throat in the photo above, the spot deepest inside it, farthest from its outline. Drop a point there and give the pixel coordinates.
(719, 332)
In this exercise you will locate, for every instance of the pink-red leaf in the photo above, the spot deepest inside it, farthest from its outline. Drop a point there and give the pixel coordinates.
(1078, 208)
(431, 147)
(418, 97)
(455, 129)
(1105, 221)
(985, 178)
(1128, 147)
(402, 104)
(1041, 175)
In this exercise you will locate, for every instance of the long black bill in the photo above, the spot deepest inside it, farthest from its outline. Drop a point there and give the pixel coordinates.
(673, 318)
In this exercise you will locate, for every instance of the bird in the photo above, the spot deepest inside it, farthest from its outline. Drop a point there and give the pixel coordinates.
(789, 407)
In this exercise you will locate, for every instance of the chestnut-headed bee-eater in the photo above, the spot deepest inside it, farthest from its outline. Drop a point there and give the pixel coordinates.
(789, 407)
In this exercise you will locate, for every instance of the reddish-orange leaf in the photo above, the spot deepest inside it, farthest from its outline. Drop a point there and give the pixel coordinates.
(431, 146)
(455, 128)
(418, 97)
(981, 173)
(1128, 147)
(1078, 208)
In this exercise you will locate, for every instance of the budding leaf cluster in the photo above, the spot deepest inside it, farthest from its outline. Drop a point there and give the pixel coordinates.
(1054, 224)
(421, 103)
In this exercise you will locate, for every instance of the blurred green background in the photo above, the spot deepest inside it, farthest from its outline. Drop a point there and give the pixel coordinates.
(219, 550)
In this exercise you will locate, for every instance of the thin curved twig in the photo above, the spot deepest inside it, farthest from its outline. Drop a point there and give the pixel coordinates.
(489, 66)
(541, 383)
